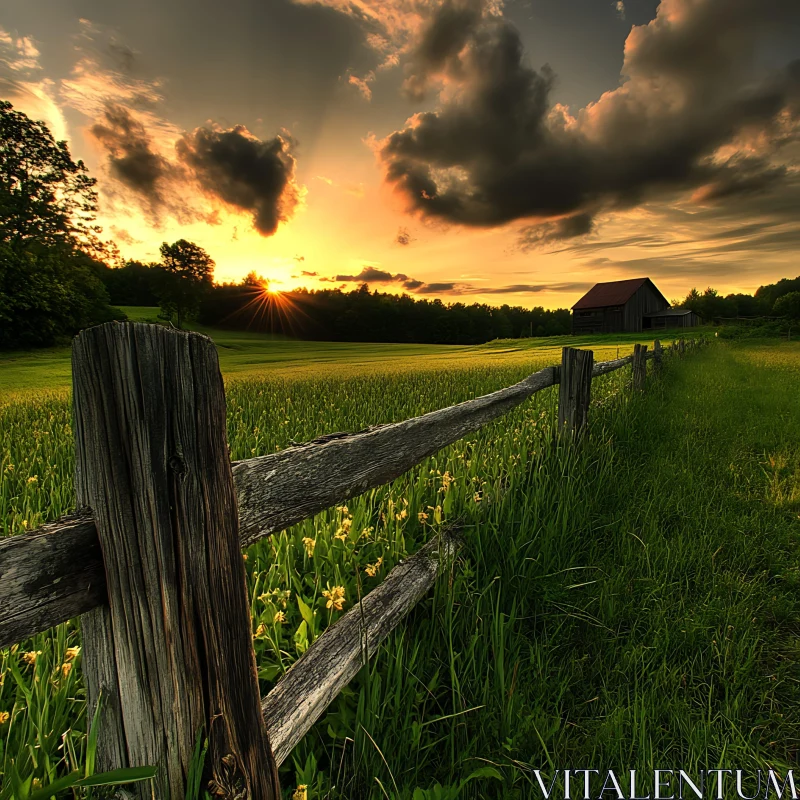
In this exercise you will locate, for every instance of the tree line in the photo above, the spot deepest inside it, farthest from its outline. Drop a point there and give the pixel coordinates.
(336, 315)
(781, 299)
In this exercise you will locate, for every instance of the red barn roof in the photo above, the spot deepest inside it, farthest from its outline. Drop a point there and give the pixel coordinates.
(613, 293)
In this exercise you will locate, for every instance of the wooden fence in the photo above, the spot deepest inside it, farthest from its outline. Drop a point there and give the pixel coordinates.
(152, 561)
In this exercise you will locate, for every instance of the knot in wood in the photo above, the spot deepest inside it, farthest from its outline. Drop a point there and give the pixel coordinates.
(177, 465)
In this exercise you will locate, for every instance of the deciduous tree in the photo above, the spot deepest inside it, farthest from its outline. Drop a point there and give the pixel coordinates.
(188, 272)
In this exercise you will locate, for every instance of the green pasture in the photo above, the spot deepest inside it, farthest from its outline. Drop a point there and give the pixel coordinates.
(253, 355)
(633, 603)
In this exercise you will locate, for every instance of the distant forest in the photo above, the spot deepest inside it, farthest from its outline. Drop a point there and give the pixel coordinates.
(366, 315)
(334, 315)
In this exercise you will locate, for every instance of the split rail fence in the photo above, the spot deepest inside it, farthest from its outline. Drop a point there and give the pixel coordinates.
(152, 561)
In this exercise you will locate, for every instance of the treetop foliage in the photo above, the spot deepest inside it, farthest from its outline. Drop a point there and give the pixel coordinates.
(48, 282)
(46, 198)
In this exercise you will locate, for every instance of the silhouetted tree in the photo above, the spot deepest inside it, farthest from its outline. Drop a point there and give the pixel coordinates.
(188, 272)
(48, 282)
(788, 305)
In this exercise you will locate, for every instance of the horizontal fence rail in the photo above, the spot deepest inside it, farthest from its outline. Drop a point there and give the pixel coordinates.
(313, 681)
(55, 572)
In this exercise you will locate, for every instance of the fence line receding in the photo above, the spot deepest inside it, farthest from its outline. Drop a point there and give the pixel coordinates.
(152, 559)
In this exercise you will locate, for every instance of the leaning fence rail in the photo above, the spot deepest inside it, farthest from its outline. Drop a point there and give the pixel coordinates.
(152, 567)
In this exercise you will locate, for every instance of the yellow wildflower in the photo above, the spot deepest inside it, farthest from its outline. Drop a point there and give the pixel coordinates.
(244, 556)
(33, 479)
(279, 617)
(367, 531)
(4, 715)
(30, 657)
(422, 516)
(66, 668)
(261, 629)
(347, 523)
(343, 509)
(340, 535)
(478, 497)
(372, 569)
(402, 515)
(71, 653)
(335, 597)
(301, 792)
(309, 544)
(447, 479)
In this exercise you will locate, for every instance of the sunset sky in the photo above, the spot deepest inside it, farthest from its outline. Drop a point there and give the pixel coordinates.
(483, 150)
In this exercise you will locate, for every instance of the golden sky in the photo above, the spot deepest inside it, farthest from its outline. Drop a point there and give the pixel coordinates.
(480, 150)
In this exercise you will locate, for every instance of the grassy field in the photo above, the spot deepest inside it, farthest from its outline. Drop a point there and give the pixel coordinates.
(631, 604)
(256, 355)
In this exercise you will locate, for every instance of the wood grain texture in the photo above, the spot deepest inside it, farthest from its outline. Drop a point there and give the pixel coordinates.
(59, 567)
(340, 466)
(574, 391)
(316, 678)
(152, 462)
(277, 490)
(604, 367)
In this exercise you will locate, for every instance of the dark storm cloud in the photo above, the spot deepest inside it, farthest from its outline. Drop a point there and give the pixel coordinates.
(372, 275)
(131, 157)
(517, 288)
(547, 233)
(439, 288)
(449, 30)
(498, 150)
(743, 176)
(244, 172)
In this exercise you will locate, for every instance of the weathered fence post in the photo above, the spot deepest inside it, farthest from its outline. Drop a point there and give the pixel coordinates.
(173, 649)
(574, 391)
(657, 356)
(639, 366)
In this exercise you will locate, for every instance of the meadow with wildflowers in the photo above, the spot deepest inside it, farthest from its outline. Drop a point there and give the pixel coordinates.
(625, 604)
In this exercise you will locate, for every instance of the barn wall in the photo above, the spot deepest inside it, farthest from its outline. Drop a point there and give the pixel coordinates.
(674, 321)
(644, 301)
(593, 323)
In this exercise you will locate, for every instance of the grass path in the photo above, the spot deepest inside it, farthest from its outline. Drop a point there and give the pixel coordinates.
(683, 647)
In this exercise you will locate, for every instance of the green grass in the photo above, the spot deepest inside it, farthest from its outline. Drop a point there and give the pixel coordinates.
(627, 605)
(243, 354)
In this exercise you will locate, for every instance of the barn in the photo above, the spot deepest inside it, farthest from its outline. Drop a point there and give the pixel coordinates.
(628, 306)
(670, 318)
